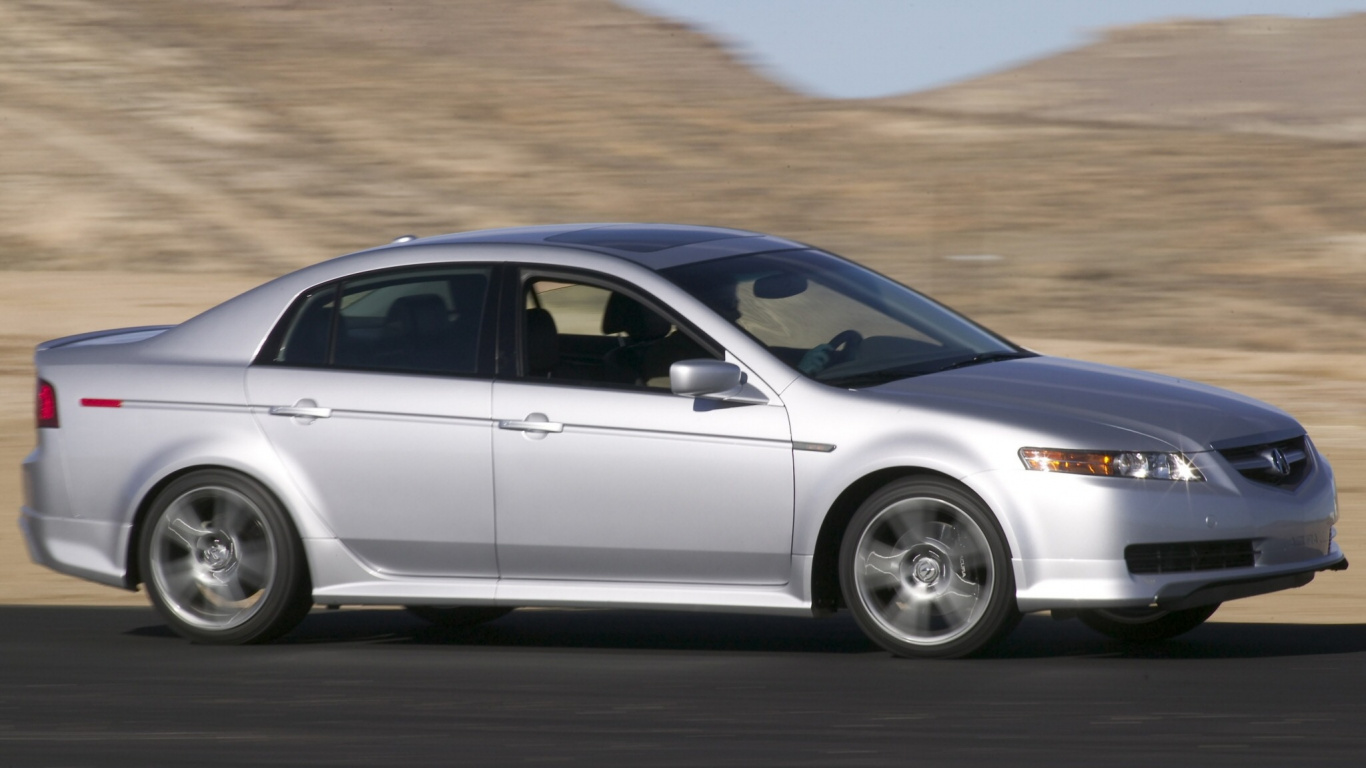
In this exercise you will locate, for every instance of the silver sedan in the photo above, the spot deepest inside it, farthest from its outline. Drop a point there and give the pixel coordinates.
(651, 416)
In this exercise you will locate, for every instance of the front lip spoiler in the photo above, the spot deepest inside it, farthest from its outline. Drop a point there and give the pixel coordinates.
(1177, 597)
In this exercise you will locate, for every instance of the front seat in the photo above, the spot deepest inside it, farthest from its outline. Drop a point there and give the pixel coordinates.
(643, 328)
(541, 343)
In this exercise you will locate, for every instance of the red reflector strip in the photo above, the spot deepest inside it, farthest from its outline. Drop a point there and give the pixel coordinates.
(98, 402)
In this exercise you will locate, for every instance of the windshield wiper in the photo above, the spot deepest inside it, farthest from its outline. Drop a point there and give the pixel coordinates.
(873, 378)
(985, 357)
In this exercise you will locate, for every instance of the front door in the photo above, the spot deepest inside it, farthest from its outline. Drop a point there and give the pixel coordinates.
(601, 473)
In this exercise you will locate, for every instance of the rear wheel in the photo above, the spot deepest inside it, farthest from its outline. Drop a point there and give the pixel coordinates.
(458, 616)
(221, 560)
(926, 571)
(1145, 625)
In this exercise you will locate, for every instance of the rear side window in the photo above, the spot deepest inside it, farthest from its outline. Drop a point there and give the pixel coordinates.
(425, 321)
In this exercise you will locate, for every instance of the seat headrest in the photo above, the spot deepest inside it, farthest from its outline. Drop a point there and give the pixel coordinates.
(542, 341)
(423, 314)
(625, 314)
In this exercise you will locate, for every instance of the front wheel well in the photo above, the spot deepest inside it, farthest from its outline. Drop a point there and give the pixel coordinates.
(133, 576)
(825, 579)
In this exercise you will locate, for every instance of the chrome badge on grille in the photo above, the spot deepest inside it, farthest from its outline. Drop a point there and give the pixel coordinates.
(1279, 464)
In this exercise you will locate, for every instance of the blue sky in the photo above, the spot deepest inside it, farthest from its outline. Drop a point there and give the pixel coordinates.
(864, 48)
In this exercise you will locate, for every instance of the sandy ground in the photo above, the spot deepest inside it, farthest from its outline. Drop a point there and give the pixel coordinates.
(1322, 390)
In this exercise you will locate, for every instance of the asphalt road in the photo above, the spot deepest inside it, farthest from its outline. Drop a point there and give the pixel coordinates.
(113, 687)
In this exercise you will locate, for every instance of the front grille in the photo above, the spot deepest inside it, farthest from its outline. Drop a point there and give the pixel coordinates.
(1282, 464)
(1189, 556)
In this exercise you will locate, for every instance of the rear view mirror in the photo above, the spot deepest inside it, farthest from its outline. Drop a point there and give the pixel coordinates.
(713, 380)
(779, 286)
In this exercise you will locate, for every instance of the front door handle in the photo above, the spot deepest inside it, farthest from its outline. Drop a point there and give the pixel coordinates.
(305, 411)
(536, 422)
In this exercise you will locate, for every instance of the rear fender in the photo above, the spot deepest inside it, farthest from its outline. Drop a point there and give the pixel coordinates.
(258, 463)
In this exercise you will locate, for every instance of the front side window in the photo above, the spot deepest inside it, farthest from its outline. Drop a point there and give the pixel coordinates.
(835, 321)
(423, 321)
(579, 332)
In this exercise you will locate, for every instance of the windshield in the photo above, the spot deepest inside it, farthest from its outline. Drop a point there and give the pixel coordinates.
(836, 321)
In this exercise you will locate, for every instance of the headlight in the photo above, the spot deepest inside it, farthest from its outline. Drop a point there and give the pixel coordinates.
(1142, 465)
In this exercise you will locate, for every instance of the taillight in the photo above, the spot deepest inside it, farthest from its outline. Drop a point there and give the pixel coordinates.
(47, 405)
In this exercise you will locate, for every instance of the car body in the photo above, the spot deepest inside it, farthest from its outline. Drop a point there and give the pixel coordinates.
(622, 415)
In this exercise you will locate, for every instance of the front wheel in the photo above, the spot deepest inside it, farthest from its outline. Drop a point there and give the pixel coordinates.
(1145, 625)
(222, 562)
(926, 571)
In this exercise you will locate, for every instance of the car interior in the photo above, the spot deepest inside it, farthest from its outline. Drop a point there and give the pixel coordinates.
(610, 339)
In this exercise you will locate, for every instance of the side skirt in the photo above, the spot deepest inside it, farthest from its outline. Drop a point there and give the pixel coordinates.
(340, 579)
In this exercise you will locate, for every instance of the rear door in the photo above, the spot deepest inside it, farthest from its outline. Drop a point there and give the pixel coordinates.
(375, 392)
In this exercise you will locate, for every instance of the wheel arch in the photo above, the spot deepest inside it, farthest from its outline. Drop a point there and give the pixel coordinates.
(825, 586)
(133, 570)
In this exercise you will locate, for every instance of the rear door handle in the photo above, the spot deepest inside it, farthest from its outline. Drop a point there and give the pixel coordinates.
(536, 422)
(304, 410)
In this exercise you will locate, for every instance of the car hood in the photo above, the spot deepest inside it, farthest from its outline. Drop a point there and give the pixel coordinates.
(1085, 402)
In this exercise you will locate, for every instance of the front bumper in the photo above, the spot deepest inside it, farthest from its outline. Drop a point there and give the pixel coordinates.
(1108, 584)
(1176, 597)
(1069, 533)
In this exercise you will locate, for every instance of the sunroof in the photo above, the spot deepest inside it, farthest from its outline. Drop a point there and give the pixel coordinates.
(645, 239)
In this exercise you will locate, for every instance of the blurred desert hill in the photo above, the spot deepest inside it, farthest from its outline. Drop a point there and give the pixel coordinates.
(260, 135)
(1255, 74)
(1139, 201)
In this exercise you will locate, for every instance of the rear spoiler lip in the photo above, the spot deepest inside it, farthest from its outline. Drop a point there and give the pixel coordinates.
(65, 340)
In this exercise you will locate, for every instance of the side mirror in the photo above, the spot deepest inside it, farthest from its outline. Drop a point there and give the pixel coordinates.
(713, 380)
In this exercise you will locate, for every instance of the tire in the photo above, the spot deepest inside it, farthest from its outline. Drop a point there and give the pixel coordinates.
(458, 616)
(221, 560)
(925, 569)
(1145, 625)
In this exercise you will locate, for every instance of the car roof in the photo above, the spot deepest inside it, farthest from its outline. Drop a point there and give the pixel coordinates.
(655, 246)
(234, 329)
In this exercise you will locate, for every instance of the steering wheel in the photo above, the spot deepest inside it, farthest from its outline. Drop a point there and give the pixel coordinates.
(850, 341)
